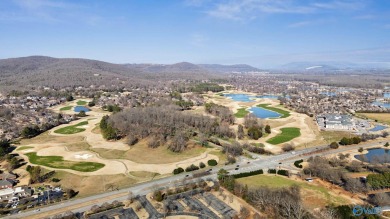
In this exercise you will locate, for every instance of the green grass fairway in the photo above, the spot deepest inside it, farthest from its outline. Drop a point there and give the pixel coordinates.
(59, 163)
(241, 113)
(72, 129)
(284, 113)
(287, 135)
(81, 102)
(66, 108)
(23, 148)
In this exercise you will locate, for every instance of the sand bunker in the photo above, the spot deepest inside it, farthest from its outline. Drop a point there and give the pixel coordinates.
(83, 156)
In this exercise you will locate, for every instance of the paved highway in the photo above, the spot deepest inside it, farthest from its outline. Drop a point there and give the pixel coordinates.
(261, 162)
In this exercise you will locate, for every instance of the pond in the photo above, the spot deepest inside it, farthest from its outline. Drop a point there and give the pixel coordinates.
(239, 97)
(268, 96)
(375, 155)
(378, 128)
(264, 113)
(329, 94)
(77, 109)
(385, 105)
(386, 95)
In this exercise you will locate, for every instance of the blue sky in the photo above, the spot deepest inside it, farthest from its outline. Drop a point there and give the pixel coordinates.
(262, 33)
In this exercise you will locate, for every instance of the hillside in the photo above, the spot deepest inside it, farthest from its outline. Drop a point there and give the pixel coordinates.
(30, 72)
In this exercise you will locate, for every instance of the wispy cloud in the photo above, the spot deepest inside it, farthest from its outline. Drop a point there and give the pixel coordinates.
(248, 9)
(198, 40)
(52, 12)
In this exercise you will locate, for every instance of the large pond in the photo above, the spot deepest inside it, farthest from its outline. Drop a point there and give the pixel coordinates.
(378, 128)
(78, 109)
(239, 97)
(264, 113)
(377, 155)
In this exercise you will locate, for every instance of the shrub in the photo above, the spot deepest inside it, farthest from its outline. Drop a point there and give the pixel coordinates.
(212, 162)
(246, 174)
(178, 170)
(283, 172)
(298, 163)
(288, 147)
(202, 165)
(334, 145)
(55, 180)
(271, 170)
(360, 149)
(192, 168)
(387, 144)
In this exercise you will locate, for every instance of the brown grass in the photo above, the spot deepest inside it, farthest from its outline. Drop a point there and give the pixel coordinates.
(79, 146)
(45, 138)
(381, 117)
(90, 185)
(141, 153)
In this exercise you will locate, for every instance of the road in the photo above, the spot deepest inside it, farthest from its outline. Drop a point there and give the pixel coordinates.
(261, 162)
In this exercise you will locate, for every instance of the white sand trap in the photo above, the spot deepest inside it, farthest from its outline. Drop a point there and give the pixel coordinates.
(83, 156)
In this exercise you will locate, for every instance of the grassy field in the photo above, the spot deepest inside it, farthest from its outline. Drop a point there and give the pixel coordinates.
(287, 135)
(66, 108)
(331, 136)
(241, 113)
(72, 129)
(321, 194)
(23, 148)
(380, 117)
(90, 185)
(284, 113)
(141, 153)
(81, 103)
(59, 163)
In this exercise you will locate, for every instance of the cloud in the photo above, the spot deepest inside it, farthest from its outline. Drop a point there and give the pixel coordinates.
(198, 40)
(248, 9)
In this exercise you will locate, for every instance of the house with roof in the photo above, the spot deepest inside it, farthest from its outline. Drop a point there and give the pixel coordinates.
(5, 184)
(336, 121)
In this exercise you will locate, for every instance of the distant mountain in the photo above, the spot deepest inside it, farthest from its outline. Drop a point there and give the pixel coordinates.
(30, 72)
(332, 66)
(229, 68)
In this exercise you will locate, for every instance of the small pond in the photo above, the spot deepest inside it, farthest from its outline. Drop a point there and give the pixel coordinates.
(378, 128)
(386, 95)
(375, 155)
(329, 94)
(385, 105)
(268, 96)
(239, 97)
(78, 109)
(264, 113)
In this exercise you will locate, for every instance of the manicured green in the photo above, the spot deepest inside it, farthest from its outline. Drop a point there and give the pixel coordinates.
(72, 129)
(284, 113)
(81, 103)
(59, 163)
(287, 135)
(66, 108)
(23, 148)
(241, 113)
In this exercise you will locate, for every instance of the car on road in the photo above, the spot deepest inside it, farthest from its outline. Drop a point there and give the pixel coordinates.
(280, 162)
(236, 168)
(187, 175)
(209, 170)
(248, 162)
(37, 210)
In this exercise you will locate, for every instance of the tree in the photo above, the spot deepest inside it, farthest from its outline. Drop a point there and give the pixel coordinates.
(69, 98)
(222, 173)
(387, 144)
(202, 165)
(255, 133)
(360, 149)
(240, 132)
(345, 141)
(334, 145)
(288, 147)
(82, 114)
(70, 193)
(212, 162)
(29, 132)
(267, 129)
